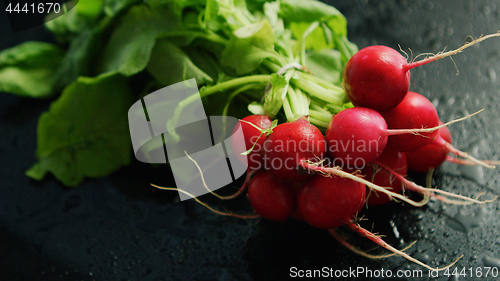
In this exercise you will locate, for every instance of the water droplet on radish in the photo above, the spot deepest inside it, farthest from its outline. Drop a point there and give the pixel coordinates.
(491, 261)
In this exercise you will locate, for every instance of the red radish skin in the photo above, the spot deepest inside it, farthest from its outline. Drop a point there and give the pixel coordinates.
(377, 77)
(270, 198)
(397, 162)
(290, 143)
(296, 214)
(357, 136)
(328, 202)
(415, 111)
(251, 135)
(431, 155)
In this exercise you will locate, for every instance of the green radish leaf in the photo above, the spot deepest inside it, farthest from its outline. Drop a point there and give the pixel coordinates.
(258, 34)
(129, 47)
(28, 69)
(79, 58)
(299, 14)
(169, 65)
(347, 48)
(85, 133)
(275, 97)
(177, 6)
(231, 13)
(204, 60)
(75, 20)
(256, 108)
(248, 48)
(311, 11)
(326, 64)
(113, 7)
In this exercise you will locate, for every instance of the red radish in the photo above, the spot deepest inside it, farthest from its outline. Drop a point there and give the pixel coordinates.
(397, 162)
(327, 202)
(415, 111)
(430, 156)
(290, 143)
(378, 77)
(296, 214)
(253, 137)
(270, 198)
(330, 202)
(357, 136)
(436, 152)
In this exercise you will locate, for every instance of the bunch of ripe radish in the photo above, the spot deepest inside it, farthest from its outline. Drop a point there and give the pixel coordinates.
(326, 179)
(296, 171)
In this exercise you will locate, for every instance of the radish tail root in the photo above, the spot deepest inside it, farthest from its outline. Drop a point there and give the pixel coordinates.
(337, 171)
(450, 53)
(460, 161)
(251, 216)
(379, 241)
(457, 152)
(429, 130)
(360, 252)
(242, 188)
(432, 191)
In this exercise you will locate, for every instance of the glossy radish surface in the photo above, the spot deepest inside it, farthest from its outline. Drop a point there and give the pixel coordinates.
(327, 202)
(430, 156)
(415, 111)
(377, 77)
(397, 162)
(270, 198)
(252, 136)
(356, 136)
(290, 143)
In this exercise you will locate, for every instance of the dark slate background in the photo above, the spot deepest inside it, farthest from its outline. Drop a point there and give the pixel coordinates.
(119, 228)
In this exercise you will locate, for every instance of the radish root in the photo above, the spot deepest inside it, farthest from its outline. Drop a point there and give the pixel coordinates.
(432, 191)
(430, 130)
(467, 156)
(459, 161)
(358, 251)
(248, 176)
(251, 216)
(337, 171)
(452, 52)
(382, 243)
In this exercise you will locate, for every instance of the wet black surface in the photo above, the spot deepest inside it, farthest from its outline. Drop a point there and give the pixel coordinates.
(120, 228)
